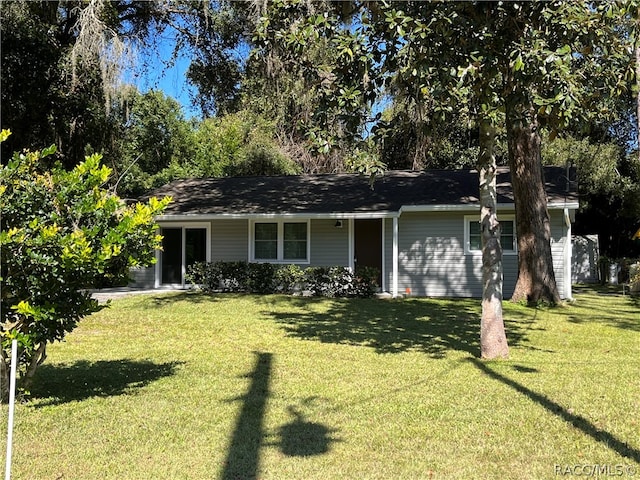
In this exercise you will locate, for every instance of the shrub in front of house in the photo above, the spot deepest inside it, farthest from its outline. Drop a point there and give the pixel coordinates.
(265, 278)
(289, 279)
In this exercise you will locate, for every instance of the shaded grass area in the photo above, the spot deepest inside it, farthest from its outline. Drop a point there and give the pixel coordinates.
(189, 386)
(82, 379)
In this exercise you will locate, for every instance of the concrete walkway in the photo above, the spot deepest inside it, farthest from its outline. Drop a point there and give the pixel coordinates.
(105, 294)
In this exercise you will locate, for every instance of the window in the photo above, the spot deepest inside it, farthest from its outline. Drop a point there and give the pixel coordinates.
(475, 239)
(473, 236)
(266, 241)
(295, 241)
(281, 241)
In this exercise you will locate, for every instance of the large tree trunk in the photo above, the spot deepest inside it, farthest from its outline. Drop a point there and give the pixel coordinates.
(536, 278)
(493, 340)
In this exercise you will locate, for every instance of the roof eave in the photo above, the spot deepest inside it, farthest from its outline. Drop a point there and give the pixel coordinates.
(356, 215)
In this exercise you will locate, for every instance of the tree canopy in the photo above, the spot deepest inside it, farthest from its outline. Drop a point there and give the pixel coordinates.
(521, 65)
(62, 233)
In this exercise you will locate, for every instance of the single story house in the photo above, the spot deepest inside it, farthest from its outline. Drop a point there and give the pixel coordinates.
(420, 229)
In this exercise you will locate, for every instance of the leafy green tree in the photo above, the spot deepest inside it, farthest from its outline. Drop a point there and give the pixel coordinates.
(229, 145)
(62, 233)
(608, 178)
(408, 141)
(521, 65)
(213, 35)
(156, 131)
(60, 64)
(38, 100)
(233, 74)
(153, 135)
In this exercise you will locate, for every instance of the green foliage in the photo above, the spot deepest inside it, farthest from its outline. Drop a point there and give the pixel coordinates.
(154, 139)
(599, 165)
(560, 59)
(211, 34)
(159, 146)
(268, 278)
(47, 96)
(609, 187)
(155, 131)
(238, 144)
(365, 162)
(289, 279)
(62, 233)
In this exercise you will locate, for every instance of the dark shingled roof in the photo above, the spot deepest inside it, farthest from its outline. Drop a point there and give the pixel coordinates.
(344, 193)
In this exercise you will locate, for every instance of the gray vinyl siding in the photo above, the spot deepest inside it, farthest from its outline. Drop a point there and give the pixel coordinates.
(329, 244)
(558, 247)
(142, 277)
(432, 261)
(431, 257)
(229, 240)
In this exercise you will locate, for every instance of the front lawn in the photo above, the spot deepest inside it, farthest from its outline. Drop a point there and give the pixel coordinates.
(188, 386)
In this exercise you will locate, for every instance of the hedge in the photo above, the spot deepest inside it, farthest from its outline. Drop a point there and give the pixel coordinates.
(266, 278)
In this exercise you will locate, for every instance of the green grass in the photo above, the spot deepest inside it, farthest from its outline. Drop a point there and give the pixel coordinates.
(187, 386)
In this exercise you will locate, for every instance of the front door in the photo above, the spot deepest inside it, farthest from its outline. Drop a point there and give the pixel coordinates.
(368, 245)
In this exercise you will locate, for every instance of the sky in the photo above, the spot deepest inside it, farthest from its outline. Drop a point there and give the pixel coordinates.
(151, 72)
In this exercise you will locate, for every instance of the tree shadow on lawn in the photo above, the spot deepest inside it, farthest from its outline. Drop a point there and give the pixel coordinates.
(616, 310)
(298, 438)
(430, 326)
(58, 384)
(576, 420)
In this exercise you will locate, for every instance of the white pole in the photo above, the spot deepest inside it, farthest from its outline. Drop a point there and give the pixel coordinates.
(12, 401)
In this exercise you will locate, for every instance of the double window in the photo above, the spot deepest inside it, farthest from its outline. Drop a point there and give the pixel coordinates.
(281, 241)
(473, 234)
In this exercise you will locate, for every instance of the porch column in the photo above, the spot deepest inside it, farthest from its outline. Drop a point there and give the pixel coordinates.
(352, 265)
(394, 273)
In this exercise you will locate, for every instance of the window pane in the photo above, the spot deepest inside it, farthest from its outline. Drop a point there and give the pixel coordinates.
(266, 241)
(295, 241)
(507, 227)
(475, 241)
(267, 250)
(295, 250)
(266, 231)
(507, 237)
(295, 231)
(171, 255)
(195, 245)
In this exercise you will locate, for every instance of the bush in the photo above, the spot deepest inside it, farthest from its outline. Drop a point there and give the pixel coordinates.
(329, 281)
(62, 233)
(260, 277)
(268, 278)
(289, 279)
(366, 282)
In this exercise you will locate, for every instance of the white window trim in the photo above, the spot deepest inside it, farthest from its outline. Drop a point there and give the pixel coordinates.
(501, 218)
(280, 256)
